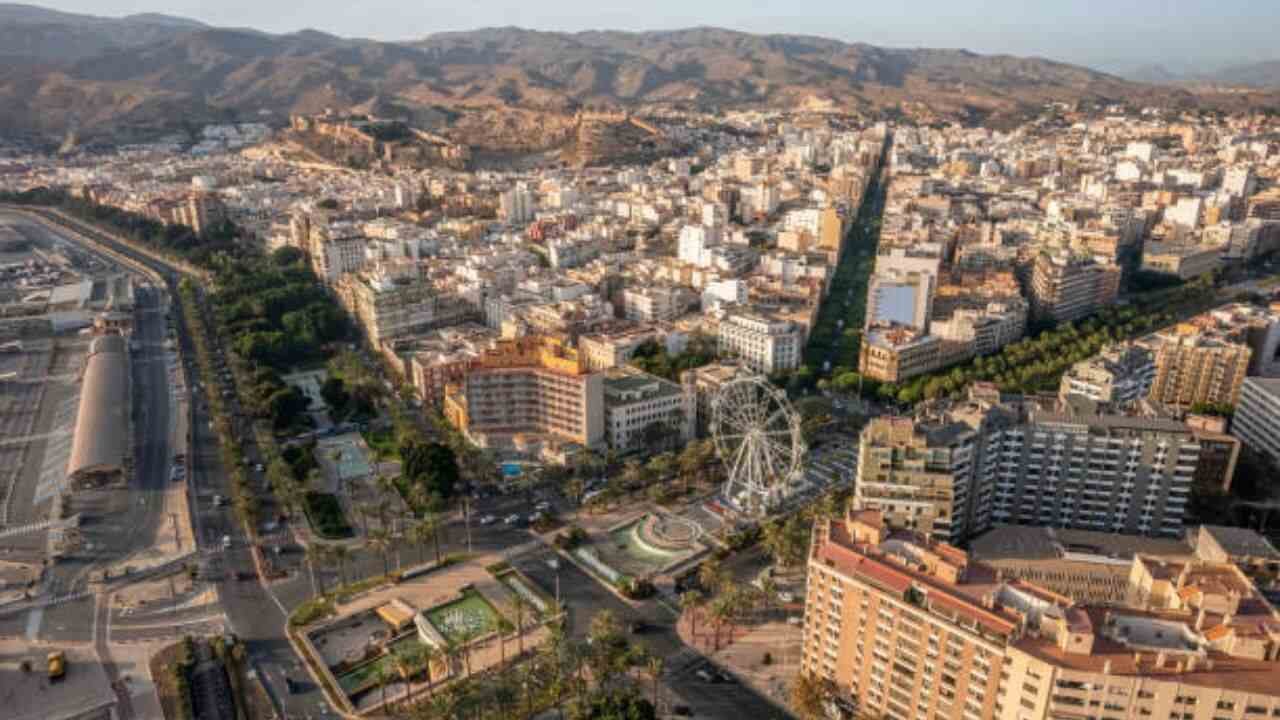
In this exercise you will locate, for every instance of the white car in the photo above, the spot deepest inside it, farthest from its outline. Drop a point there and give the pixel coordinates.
(512, 519)
(488, 520)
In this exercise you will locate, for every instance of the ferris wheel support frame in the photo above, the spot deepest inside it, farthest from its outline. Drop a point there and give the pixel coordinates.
(758, 437)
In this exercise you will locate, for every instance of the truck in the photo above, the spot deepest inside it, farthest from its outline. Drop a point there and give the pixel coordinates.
(57, 665)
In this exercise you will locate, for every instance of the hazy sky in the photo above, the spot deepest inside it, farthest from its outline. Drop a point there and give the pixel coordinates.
(1182, 34)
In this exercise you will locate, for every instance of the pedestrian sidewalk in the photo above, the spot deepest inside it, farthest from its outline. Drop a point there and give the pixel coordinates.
(742, 650)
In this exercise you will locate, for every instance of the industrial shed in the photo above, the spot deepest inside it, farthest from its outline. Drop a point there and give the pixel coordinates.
(100, 449)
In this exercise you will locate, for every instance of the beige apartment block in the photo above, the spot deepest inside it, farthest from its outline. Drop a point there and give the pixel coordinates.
(905, 628)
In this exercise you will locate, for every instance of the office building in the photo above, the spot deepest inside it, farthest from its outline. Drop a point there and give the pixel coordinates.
(704, 384)
(516, 204)
(395, 301)
(1194, 364)
(918, 475)
(1185, 261)
(894, 353)
(955, 468)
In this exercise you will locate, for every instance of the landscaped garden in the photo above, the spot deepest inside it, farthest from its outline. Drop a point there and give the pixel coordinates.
(326, 516)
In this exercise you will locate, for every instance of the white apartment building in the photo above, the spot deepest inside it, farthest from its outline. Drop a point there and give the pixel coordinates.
(695, 244)
(763, 344)
(333, 256)
(653, 304)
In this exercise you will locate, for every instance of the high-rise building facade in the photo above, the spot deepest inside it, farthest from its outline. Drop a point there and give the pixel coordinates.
(1192, 367)
(956, 468)
(1065, 288)
(1257, 418)
(529, 386)
(902, 627)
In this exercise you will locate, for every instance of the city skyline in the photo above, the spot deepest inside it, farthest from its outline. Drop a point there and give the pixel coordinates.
(1193, 37)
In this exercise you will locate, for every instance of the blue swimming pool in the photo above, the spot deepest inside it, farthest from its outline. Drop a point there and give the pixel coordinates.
(511, 470)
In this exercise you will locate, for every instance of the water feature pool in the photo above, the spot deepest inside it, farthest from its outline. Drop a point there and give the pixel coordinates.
(469, 617)
(511, 470)
(627, 538)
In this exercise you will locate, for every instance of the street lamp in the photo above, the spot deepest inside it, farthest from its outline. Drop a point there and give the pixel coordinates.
(554, 564)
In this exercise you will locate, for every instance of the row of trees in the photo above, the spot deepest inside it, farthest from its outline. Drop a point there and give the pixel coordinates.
(695, 464)
(837, 333)
(1036, 363)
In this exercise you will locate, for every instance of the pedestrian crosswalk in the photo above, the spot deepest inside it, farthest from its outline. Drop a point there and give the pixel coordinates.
(26, 529)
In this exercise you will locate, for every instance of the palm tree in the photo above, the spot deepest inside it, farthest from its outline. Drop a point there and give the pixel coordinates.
(407, 660)
(317, 554)
(690, 601)
(654, 666)
(430, 527)
(633, 474)
(720, 610)
(379, 541)
(341, 554)
(712, 575)
(520, 604)
(420, 533)
(430, 654)
(382, 675)
(769, 591)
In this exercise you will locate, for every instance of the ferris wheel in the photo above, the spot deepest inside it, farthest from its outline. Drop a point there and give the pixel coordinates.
(757, 436)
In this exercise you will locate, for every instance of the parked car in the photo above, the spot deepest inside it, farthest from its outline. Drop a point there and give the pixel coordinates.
(512, 519)
(488, 520)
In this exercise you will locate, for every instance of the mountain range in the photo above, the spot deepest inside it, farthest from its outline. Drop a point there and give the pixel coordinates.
(116, 78)
(1263, 75)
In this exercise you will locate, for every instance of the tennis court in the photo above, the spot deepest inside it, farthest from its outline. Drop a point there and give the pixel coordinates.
(346, 454)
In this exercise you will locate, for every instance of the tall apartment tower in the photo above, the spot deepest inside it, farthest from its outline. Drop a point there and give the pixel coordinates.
(1066, 288)
(1194, 367)
(956, 468)
(918, 475)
